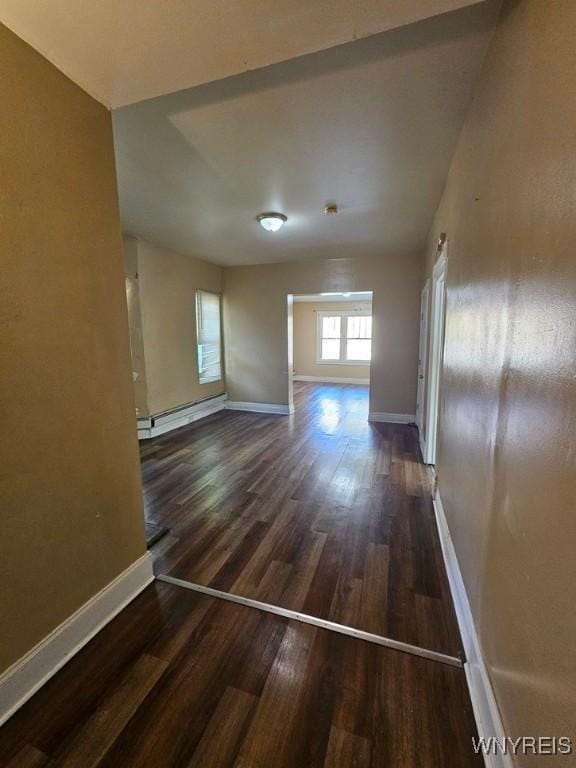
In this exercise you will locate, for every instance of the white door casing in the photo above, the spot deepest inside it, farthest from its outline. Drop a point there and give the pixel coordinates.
(436, 354)
(422, 365)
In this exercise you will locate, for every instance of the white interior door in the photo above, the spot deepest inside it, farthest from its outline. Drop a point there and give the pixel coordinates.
(422, 363)
(436, 355)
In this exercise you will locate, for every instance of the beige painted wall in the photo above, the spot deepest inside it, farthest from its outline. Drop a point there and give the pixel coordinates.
(507, 465)
(167, 284)
(305, 332)
(255, 321)
(70, 494)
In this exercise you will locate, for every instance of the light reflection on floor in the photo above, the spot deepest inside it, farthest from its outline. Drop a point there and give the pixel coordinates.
(329, 414)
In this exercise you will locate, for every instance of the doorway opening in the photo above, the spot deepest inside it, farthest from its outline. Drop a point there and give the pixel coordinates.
(329, 340)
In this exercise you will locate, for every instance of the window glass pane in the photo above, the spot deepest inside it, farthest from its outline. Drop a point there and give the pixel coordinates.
(359, 327)
(358, 349)
(331, 349)
(208, 336)
(331, 327)
(209, 362)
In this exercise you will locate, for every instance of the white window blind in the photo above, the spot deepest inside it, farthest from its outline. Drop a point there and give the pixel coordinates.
(344, 337)
(208, 336)
(331, 330)
(358, 337)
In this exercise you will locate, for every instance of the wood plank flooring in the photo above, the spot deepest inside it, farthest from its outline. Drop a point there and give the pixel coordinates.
(320, 512)
(182, 680)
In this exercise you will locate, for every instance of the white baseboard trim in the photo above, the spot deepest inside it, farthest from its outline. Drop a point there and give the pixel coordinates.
(159, 425)
(236, 405)
(331, 380)
(21, 681)
(486, 712)
(392, 418)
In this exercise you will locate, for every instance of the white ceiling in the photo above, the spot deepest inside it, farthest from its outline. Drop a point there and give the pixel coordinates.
(124, 51)
(371, 125)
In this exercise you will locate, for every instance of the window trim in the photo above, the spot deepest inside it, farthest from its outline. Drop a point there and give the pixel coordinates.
(209, 379)
(344, 314)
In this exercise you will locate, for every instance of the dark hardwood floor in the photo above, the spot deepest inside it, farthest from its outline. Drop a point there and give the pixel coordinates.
(180, 679)
(320, 512)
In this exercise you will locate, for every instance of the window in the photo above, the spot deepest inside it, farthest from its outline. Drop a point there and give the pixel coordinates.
(344, 337)
(208, 336)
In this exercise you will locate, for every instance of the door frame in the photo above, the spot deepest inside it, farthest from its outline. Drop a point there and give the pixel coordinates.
(290, 349)
(422, 365)
(438, 319)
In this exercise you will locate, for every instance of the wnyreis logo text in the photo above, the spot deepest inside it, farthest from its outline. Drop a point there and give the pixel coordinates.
(523, 745)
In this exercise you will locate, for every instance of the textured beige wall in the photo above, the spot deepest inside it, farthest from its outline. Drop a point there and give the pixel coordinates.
(70, 497)
(305, 315)
(167, 283)
(507, 465)
(255, 321)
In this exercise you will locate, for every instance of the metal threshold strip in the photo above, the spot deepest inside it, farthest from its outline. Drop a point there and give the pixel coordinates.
(359, 634)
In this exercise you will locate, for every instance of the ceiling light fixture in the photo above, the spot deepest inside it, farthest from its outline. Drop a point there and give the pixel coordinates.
(271, 222)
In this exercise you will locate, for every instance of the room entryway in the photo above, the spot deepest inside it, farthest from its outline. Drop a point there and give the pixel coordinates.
(330, 338)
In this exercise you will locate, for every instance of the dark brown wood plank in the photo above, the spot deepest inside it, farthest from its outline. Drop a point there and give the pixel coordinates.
(102, 729)
(223, 736)
(346, 750)
(28, 757)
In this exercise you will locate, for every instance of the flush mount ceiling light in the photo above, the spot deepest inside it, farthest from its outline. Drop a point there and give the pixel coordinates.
(271, 222)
